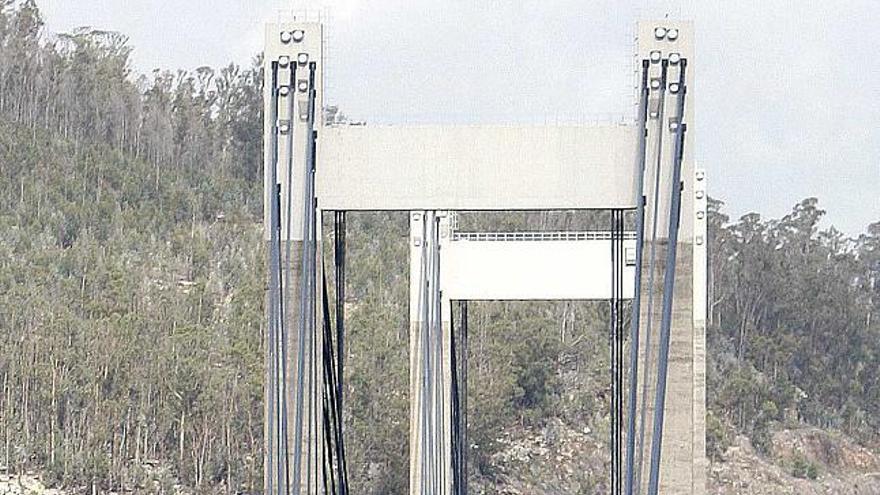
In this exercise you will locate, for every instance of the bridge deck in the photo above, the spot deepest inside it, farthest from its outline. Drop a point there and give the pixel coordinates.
(532, 265)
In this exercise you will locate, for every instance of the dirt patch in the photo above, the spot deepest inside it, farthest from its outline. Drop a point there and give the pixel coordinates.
(804, 461)
(832, 451)
(26, 484)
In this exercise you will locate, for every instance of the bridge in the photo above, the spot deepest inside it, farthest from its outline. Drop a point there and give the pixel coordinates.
(642, 171)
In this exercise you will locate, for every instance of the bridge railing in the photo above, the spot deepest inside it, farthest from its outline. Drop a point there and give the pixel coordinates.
(590, 235)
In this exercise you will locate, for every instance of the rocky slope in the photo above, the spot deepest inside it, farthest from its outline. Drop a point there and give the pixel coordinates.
(805, 461)
(560, 460)
(26, 484)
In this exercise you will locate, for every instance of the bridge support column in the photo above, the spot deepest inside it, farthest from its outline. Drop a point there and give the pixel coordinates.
(681, 425)
(700, 264)
(684, 464)
(667, 47)
(431, 456)
(298, 397)
(295, 381)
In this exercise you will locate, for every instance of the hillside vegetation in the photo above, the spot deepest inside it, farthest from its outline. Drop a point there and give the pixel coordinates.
(132, 286)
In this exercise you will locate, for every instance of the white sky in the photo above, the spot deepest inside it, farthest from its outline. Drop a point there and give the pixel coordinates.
(786, 92)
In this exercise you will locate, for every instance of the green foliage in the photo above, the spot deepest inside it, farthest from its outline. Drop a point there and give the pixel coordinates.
(717, 437)
(793, 324)
(801, 467)
(130, 266)
(530, 362)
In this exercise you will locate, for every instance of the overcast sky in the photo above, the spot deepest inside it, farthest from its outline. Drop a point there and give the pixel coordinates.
(787, 98)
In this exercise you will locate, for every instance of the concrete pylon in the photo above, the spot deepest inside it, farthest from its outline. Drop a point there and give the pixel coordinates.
(293, 415)
(668, 46)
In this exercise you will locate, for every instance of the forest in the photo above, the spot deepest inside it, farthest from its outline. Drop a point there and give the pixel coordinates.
(132, 288)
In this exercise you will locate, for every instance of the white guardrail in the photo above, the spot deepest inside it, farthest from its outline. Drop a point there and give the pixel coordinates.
(590, 235)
